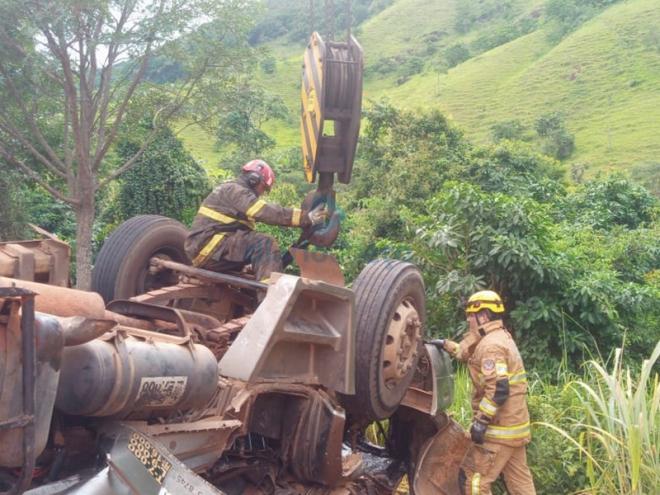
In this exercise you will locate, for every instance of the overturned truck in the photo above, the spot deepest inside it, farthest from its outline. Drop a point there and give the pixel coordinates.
(218, 383)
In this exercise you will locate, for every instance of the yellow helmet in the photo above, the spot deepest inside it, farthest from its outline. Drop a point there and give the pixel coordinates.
(485, 299)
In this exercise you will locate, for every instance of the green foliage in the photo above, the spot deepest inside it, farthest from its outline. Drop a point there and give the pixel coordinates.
(507, 129)
(556, 464)
(456, 54)
(294, 20)
(514, 168)
(13, 218)
(286, 195)
(585, 75)
(569, 14)
(648, 174)
(48, 213)
(404, 155)
(549, 123)
(243, 112)
(557, 140)
(500, 217)
(269, 65)
(166, 180)
(610, 201)
(616, 429)
(469, 13)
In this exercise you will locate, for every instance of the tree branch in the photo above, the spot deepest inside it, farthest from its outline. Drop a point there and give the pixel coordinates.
(10, 157)
(104, 94)
(131, 162)
(29, 118)
(10, 129)
(104, 147)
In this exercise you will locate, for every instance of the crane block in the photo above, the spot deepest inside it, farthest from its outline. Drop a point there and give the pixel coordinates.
(331, 107)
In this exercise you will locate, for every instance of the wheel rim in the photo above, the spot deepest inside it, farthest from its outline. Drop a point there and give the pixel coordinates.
(401, 343)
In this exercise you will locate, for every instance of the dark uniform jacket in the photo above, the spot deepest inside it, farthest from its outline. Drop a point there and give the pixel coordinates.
(233, 206)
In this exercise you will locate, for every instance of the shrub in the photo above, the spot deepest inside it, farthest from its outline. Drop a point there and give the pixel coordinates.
(507, 129)
(456, 54)
(549, 123)
(559, 144)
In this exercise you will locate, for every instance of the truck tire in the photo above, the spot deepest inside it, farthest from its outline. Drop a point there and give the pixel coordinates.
(390, 315)
(121, 269)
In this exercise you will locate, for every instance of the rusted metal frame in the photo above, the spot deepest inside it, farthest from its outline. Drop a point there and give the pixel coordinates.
(208, 275)
(151, 311)
(29, 375)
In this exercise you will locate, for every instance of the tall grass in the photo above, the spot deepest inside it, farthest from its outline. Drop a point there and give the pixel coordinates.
(617, 430)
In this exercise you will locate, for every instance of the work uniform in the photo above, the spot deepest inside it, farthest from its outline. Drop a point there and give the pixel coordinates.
(222, 236)
(498, 400)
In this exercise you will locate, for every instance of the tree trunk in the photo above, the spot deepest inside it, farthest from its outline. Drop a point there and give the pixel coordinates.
(85, 223)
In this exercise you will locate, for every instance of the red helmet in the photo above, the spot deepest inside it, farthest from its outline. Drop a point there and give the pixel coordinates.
(262, 169)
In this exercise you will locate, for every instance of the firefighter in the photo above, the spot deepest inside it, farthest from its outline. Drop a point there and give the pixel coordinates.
(500, 426)
(222, 236)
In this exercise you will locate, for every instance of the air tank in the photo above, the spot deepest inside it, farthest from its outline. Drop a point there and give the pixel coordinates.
(128, 376)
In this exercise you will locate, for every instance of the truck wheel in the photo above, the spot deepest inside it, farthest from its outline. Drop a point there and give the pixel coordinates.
(390, 315)
(121, 270)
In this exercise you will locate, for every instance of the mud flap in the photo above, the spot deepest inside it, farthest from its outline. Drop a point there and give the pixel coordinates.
(439, 460)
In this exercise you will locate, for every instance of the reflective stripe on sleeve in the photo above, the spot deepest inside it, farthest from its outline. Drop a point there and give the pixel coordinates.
(501, 368)
(487, 407)
(222, 218)
(256, 207)
(296, 218)
(208, 249)
(508, 432)
(474, 485)
(518, 377)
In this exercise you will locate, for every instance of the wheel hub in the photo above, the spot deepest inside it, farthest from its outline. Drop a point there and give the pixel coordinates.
(401, 343)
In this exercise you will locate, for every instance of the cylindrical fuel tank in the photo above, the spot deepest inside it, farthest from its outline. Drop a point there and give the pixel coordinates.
(50, 342)
(128, 376)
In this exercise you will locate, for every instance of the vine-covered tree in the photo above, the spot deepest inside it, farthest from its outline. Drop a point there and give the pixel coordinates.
(166, 180)
(70, 70)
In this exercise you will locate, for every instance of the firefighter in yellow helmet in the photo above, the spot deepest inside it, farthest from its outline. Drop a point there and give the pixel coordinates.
(500, 425)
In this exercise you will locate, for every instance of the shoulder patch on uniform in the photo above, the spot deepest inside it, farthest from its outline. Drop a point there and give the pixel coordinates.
(488, 365)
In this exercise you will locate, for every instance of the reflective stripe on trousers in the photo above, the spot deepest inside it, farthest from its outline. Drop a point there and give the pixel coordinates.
(208, 249)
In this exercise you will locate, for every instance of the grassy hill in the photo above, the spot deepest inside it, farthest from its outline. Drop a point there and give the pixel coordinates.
(604, 76)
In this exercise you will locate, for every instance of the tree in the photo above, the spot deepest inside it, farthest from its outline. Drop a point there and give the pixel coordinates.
(557, 140)
(70, 70)
(166, 181)
(243, 111)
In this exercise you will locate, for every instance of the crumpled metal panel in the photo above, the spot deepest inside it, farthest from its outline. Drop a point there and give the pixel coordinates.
(439, 461)
(303, 332)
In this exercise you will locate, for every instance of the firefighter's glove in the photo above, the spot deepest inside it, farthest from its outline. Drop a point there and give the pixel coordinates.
(438, 343)
(318, 215)
(478, 432)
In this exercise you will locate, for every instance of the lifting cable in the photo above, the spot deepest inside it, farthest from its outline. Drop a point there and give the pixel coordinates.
(330, 19)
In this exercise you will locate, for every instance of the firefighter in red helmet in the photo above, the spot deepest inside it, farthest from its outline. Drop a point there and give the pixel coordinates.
(222, 236)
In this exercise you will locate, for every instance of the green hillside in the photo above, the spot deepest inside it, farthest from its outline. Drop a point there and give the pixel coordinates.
(604, 77)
